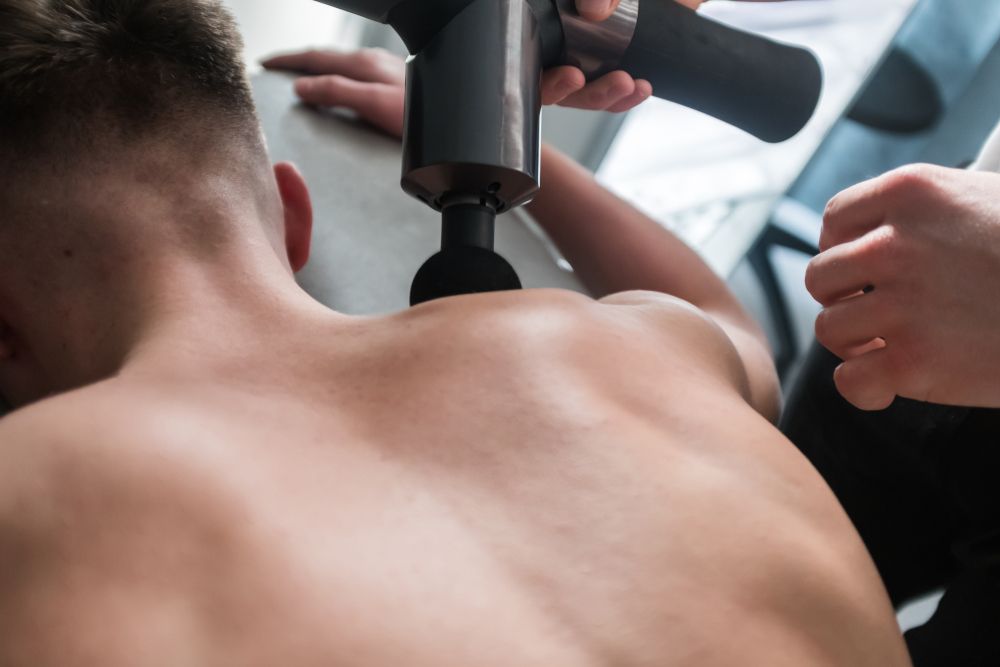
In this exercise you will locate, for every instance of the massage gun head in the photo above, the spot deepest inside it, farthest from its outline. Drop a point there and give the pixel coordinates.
(472, 143)
(458, 271)
(467, 263)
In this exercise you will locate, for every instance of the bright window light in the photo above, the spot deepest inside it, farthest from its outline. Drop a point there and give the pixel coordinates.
(272, 26)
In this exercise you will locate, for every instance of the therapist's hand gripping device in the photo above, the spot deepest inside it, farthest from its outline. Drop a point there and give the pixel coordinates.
(472, 141)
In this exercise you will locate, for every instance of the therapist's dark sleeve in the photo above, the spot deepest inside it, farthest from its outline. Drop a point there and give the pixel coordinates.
(921, 483)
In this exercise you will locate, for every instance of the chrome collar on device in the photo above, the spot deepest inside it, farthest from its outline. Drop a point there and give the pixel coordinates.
(598, 48)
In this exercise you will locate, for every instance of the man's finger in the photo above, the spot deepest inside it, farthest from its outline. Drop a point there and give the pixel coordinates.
(643, 91)
(851, 324)
(288, 61)
(559, 83)
(851, 214)
(867, 382)
(305, 62)
(604, 93)
(379, 104)
(359, 65)
(847, 269)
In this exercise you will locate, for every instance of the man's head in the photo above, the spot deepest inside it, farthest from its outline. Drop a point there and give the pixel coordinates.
(128, 142)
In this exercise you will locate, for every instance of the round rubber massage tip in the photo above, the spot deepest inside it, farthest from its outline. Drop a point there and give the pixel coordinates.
(463, 270)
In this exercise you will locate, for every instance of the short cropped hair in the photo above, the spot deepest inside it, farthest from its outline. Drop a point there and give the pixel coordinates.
(73, 72)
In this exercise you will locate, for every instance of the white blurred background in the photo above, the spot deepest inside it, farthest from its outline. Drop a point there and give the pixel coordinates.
(270, 26)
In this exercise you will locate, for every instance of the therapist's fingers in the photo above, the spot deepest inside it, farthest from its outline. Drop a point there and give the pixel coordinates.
(379, 104)
(370, 65)
(559, 83)
(870, 346)
(869, 381)
(643, 91)
(852, 213)
(847, 328)
(597, 10)
(857, 210)
(847, 269)
(603, 94)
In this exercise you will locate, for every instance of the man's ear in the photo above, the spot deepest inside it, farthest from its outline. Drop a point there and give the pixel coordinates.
(298, 213)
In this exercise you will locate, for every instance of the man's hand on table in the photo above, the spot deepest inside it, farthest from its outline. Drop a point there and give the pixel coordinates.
(370, 82)
(910, 281)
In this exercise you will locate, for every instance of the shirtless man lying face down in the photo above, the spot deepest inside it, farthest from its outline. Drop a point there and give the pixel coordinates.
(210, 468)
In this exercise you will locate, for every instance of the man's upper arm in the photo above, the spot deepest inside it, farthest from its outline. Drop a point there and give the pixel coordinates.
(738, 352)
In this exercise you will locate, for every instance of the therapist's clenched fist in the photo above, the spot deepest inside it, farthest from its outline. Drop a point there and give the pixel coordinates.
(909, 278)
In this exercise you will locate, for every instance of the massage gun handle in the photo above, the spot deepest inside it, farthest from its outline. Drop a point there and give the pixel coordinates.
(765, 88)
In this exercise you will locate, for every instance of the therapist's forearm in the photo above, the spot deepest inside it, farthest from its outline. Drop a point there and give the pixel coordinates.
(613, 247)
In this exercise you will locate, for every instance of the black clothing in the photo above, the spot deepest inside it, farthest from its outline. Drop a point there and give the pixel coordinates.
(922, 484)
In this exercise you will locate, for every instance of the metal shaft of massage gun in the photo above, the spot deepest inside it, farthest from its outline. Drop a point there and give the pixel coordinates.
(598, 48)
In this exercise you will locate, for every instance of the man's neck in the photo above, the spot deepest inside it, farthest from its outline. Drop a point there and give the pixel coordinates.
(175, 314)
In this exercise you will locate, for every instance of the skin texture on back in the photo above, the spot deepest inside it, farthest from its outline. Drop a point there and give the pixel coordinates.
(227, 473)
(530, 479)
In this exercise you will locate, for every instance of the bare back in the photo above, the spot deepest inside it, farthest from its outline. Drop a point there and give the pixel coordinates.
(483, 481)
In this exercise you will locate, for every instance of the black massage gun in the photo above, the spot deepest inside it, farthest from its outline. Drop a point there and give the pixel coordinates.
(473, 119)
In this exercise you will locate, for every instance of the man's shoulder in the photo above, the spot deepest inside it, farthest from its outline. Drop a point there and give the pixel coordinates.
(548, 309)
(93, 414)
(92, 444)
(640, 333)
(472, 307)
(97, 494)
(50, 453)
(517, 322)
(560, 313)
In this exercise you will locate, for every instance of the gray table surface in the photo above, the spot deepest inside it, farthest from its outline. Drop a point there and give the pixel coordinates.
(370, 237)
